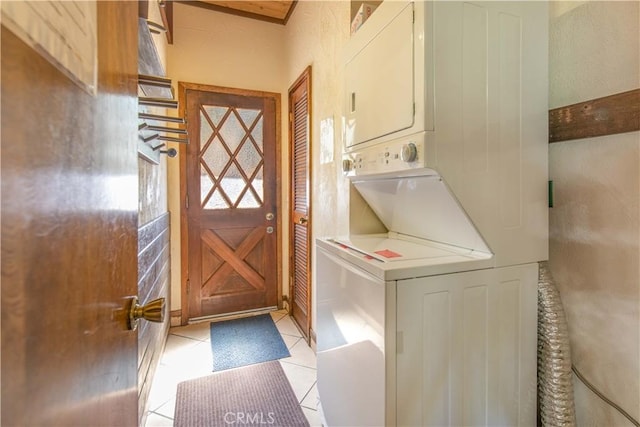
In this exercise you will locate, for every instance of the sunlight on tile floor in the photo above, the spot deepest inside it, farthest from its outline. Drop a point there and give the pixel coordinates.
(187, 355)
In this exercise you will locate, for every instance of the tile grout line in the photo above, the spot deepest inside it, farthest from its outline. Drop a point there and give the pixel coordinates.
(187, 337)
(158, 415)
(297, 364)
(307, 394)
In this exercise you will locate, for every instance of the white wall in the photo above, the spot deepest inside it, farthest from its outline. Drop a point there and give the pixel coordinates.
(594, 248)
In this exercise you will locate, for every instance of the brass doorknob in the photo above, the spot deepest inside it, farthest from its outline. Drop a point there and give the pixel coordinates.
(152, 311)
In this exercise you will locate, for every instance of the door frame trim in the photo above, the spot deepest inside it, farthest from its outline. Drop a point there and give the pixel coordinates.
(183, 87)
(303, 78)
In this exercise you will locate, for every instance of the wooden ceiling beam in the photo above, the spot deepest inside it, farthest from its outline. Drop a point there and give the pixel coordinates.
(277, 12)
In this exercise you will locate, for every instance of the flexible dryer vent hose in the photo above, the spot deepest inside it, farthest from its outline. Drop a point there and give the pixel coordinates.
(555, 386)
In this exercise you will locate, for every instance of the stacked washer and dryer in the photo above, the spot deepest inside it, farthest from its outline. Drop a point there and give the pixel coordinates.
(432, 320)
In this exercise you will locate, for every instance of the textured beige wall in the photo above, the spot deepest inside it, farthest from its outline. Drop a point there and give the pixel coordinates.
(593, 49)
(226, 50)
(222, 50)
(316, 34)
(594, 242)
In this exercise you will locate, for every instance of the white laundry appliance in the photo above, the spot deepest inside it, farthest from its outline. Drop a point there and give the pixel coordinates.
(433, 319)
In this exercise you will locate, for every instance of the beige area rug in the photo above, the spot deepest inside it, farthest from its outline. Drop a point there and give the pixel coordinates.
(257, 394)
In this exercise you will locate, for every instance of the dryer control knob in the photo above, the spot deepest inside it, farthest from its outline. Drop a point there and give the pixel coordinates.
(409, 152)
(347, 165)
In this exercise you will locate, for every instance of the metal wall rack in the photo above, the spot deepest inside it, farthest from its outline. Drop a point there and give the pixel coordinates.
(155, 92)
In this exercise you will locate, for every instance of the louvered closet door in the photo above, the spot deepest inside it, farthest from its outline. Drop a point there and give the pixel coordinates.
(300, 146)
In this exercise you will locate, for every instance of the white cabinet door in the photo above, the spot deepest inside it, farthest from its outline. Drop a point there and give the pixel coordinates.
(468, 352)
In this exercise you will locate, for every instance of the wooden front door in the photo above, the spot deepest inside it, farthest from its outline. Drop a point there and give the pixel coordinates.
(230, 200)
(299, 246)
(69, 233)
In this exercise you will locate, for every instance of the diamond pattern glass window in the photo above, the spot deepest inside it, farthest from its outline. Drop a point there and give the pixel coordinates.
(231, 158)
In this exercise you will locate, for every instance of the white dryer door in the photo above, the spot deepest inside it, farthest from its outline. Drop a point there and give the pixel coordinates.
(380, 83)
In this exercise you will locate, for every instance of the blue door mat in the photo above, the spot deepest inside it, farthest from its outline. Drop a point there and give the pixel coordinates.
(246, 341)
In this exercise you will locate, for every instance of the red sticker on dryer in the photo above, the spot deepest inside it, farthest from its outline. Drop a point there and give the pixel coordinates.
(388, 254)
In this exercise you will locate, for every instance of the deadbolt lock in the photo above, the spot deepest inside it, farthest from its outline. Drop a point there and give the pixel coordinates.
(153, 311)
(269, 216)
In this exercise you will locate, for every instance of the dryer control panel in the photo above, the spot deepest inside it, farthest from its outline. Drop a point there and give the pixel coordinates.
(393, 156)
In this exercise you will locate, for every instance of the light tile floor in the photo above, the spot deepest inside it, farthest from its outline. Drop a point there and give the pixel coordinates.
(187, 355)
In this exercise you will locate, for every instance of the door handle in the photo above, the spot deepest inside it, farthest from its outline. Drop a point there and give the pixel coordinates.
(152, 311)
(302, 220)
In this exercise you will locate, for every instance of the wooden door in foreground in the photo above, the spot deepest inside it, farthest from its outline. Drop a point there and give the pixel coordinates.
(231, 201)
(69, 233)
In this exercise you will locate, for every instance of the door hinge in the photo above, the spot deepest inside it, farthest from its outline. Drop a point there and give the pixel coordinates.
(186, 202)
(188, 286)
